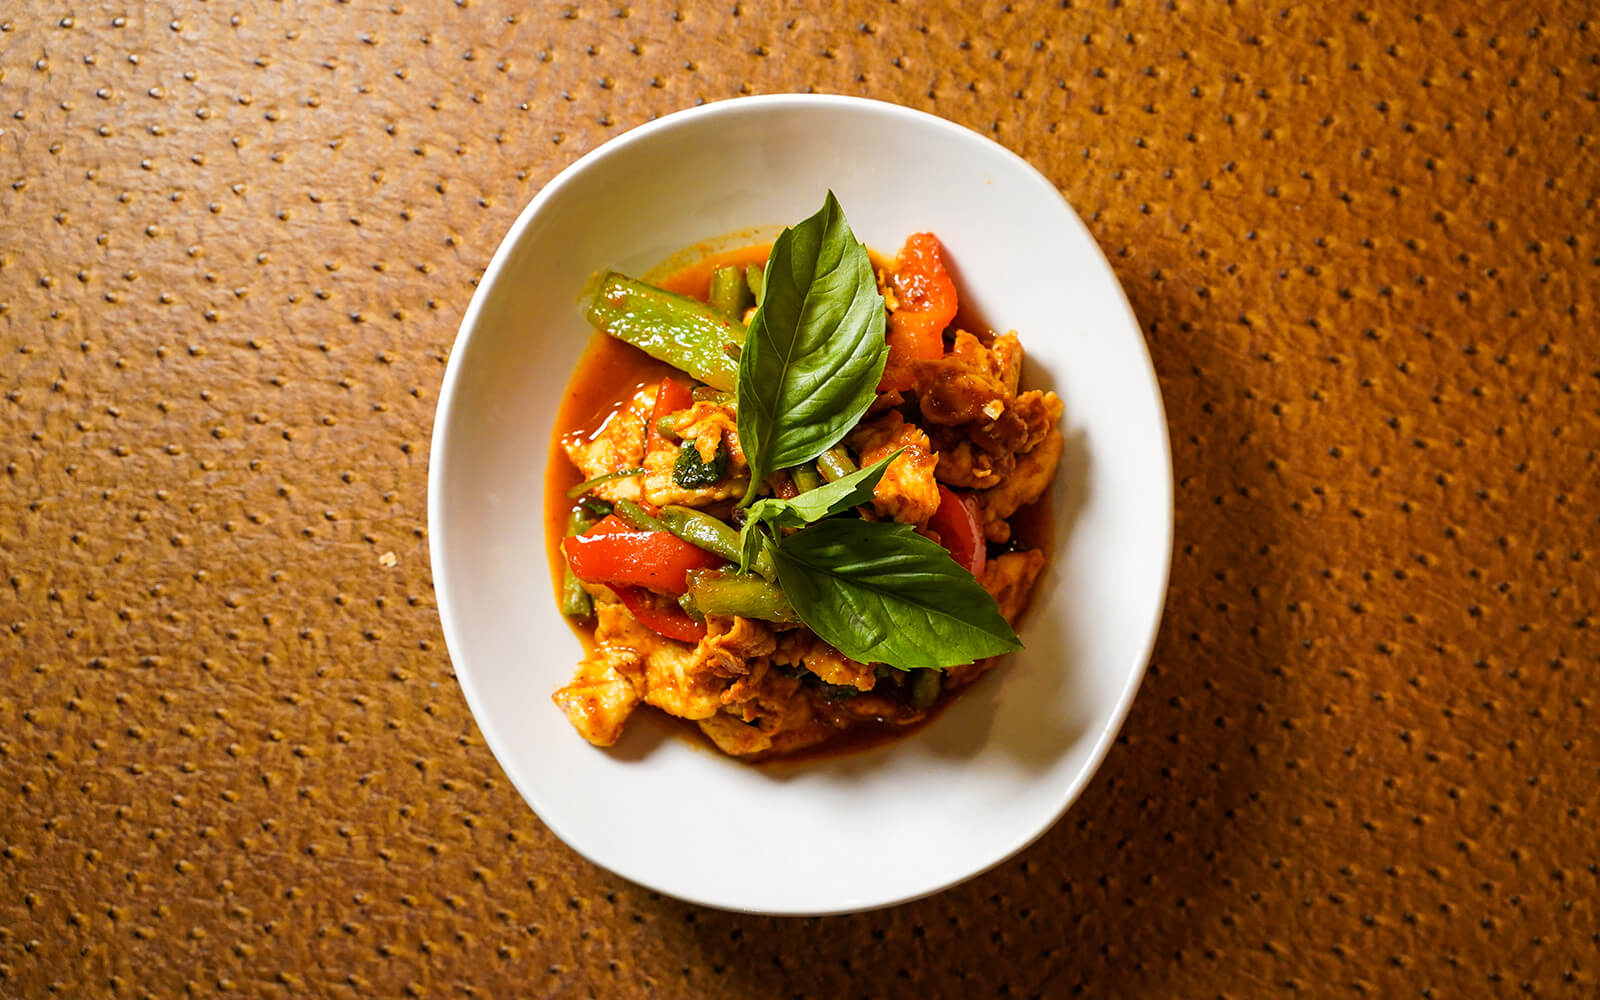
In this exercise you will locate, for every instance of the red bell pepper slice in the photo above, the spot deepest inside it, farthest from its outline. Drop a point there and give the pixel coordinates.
(671, 396)
(655, 560)
(959, 530)
(611, 524)
(666, 619)
(927, 304)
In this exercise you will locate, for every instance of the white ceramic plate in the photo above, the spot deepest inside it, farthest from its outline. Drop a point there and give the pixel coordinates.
(991, 773)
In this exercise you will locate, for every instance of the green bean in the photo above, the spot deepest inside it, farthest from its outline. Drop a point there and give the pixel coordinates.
(715, 592)
(637, 517)
(728, 291)
(575, 601)
(667, 426)
(686, 334)
(925, 685)
(754, 276)
(589, 484)
(805, 477)
(835, 463)
(714, 536)
(706, 394)
(595, 506)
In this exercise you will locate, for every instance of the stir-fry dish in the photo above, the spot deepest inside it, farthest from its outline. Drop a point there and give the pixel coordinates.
(808, 528)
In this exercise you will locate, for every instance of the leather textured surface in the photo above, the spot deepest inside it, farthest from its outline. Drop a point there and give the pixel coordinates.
(235, 243)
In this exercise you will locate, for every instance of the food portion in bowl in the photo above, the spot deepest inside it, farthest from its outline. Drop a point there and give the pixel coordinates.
(810, 497)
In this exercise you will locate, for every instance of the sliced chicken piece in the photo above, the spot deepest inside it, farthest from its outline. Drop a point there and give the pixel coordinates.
(838, 669)
(618, 444)
(735, 737)
(963, 387)
(599, 699)
(1006, 360)
(1009, 579)
(908, 492)
(802, 648)
(962, 462)
(662, 670)
(732, 644)
(766, 712)
(1025, 484)
(1038, 413)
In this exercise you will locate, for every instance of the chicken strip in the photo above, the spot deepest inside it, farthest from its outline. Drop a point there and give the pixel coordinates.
(1026, 483)
(664, 672)
(908, 492)
(1009, 579)
(802, 648)
(963, 462)
(732, 645)
(766, 712)
(599, 699)
(618, 444)
(966, 386)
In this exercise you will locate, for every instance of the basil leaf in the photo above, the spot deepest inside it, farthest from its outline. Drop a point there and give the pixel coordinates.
(751, 539)
(690, 473)
(824, 501)
(815, 349)
(881, 593)
(812, 505)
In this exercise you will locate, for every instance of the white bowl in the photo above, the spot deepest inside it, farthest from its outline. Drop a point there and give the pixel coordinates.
(995, 770)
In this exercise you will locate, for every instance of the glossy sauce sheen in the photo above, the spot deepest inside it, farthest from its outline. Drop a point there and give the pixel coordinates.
(608, 373)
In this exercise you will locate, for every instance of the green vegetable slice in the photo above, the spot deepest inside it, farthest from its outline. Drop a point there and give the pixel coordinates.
(815, 350)
(729, 293)
(689, 335)
(716, 592)
(881, 593)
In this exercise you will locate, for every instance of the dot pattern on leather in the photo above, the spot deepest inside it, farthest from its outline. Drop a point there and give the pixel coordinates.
(238, 240)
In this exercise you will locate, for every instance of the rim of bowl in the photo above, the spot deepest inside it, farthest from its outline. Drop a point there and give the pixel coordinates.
(438, 446)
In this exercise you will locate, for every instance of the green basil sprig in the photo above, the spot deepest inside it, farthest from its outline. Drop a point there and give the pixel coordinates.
(815, 349)
(826, 500)
(879, 592)
(810, 367)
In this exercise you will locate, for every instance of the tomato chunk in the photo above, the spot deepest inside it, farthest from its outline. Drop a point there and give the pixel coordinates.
(655, 614)
(655, 560)
(927, 304)
(959, 530)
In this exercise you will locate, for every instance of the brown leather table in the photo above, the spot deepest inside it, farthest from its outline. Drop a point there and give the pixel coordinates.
(235, 244)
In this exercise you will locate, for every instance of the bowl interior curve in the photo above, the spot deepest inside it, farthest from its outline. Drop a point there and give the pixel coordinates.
(1000, 766)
